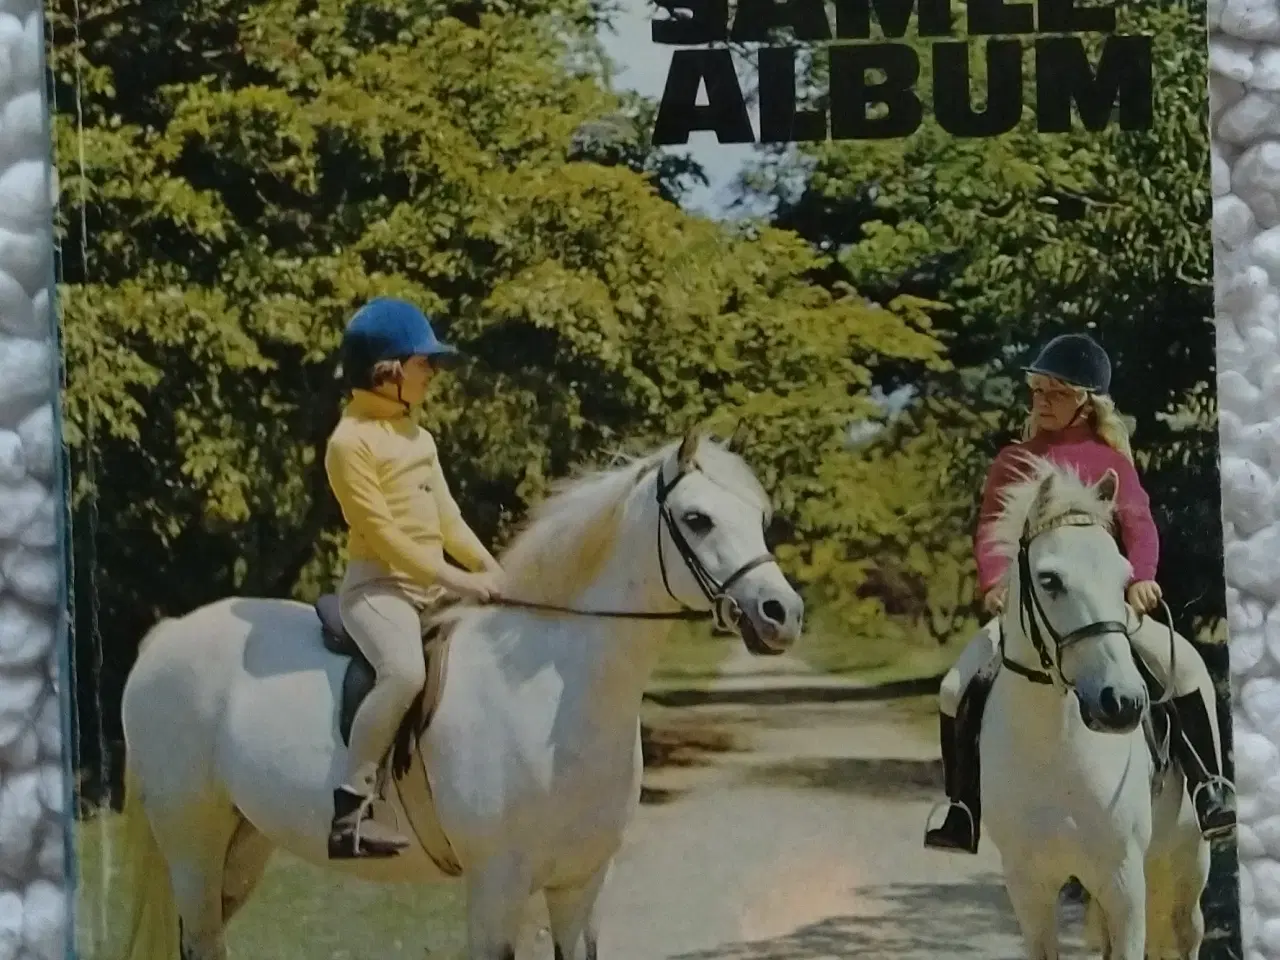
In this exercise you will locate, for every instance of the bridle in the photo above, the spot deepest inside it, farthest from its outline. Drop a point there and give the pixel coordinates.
(1035, 622)
(724, 611)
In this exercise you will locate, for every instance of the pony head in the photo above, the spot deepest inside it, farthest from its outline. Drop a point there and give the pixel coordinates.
(713, 517)
(1065, 609)
(701, 515)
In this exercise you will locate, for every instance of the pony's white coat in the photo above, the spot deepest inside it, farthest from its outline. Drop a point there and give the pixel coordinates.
(533, 755)
(1060, 799)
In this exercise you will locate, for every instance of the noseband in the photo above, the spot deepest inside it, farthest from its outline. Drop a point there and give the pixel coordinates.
(724, 611)
(1032, 615)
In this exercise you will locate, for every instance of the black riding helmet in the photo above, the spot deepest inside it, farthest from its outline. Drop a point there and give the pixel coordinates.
(1077, 359)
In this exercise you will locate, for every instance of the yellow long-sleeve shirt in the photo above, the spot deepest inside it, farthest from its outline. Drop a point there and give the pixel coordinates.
(384, 470)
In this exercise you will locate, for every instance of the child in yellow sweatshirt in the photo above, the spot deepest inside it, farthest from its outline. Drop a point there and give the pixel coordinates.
(385, 472)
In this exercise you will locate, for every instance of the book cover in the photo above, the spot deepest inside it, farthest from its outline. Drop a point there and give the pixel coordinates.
(694, 480)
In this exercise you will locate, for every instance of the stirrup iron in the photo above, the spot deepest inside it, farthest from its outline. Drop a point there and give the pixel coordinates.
(948, 804)
(1216, 779)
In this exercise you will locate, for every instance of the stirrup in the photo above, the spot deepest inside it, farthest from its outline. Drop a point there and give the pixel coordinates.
(353, 845)
(381, 780)
(949, 805)
(1213, 833)
(364, 810)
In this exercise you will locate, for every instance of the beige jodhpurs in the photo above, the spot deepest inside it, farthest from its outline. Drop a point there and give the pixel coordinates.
(385, 621)
(1150, 639)
(982, 648)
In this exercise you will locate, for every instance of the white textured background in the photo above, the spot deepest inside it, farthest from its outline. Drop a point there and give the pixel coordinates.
(1245, 107)
(33, 786)
(1245, 112)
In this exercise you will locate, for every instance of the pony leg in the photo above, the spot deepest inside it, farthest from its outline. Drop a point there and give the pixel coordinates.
(1189, 869)
(1124, 907)
(1188, 925)
(198, 892)
(574, 919)
(196, 841)
(497, 893)
(246, 862)
(1035, 904)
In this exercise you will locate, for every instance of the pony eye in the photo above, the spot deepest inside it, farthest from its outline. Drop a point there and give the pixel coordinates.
(697, 522)
(1052, 582)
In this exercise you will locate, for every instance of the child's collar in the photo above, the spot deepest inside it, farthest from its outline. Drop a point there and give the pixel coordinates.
(367, 403)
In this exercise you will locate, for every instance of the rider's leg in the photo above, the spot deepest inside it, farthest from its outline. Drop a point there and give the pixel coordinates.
(1196, 742)
(387, 627)
(959, 831)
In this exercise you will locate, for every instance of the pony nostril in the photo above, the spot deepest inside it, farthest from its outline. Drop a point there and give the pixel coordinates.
(1109, 702)
(774, 612)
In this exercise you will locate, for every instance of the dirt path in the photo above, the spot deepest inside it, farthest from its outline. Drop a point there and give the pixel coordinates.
(807, 847)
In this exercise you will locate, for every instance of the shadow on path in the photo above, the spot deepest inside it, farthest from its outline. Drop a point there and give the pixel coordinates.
(793, 692)
(867, 776)
(908, 921)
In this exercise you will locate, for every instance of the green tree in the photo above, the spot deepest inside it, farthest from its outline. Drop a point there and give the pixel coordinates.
(239, 176)
(1025, 235)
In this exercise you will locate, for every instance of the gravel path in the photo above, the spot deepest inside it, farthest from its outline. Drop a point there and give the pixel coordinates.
(807, 847)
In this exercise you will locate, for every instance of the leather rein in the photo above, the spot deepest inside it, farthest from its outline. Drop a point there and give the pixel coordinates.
(724, 610)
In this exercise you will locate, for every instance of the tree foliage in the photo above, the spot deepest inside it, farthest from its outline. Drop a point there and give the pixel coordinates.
(1023, 236)
(237, 177)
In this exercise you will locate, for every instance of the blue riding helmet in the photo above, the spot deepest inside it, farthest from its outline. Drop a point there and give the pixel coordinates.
(389, 329)
(1077, 359)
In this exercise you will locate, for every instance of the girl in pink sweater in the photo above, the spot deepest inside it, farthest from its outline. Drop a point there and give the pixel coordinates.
(1073, 422)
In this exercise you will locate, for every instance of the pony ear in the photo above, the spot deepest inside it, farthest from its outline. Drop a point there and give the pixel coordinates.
(1108, 486)
(738, 437)
(689, 446)
(1044, 497)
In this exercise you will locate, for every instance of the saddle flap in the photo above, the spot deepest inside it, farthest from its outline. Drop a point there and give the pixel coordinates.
(336, 638)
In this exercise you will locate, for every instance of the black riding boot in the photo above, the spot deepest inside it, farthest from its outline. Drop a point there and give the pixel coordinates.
(1212, 795)
(959, 831)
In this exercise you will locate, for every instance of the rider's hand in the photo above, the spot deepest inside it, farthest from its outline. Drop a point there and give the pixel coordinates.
(1144, 595)
(993, 602)
(483, 587)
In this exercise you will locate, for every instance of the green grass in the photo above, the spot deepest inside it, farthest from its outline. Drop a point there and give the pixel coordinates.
(829, 646)
(302, 912)
(299, 912)
(692, 654)
(875, 659)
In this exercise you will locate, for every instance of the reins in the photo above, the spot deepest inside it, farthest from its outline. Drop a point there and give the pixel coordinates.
(603, 614)
(724, 611)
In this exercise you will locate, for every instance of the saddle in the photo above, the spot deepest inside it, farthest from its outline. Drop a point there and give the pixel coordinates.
(360, 677)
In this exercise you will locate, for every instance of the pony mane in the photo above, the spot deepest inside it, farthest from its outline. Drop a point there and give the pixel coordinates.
(564, 542)
(1020, 503)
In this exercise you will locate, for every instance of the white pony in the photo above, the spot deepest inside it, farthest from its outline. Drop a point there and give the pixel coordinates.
(529, 769)
(1074, 775)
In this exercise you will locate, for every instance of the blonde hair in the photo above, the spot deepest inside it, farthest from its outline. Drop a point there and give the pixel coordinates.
(1111, 426)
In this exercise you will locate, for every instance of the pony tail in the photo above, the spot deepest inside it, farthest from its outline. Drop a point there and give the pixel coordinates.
(1112, 427)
